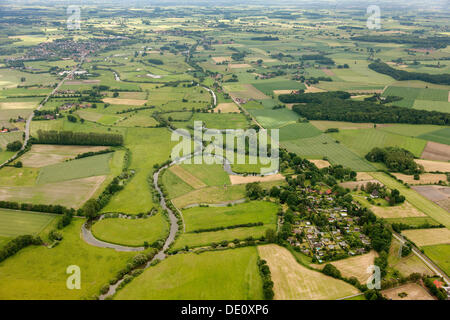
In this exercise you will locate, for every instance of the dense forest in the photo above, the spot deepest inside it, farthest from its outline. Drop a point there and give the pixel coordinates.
(383, 68)
(335, 106)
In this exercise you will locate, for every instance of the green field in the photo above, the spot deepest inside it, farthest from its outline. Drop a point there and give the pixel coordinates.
(192, 239)
(210, 174)
(364, 140)
(440, 254)
(14, 223)
(414, 221)
(212, 217)
(175, 186)
(40, 273)
(440, 136)
(324, 146)
(148, 147)
(228, 275)
(268, 86)
(298, 131)
(131, 232)
(420, 98)
(76, 169)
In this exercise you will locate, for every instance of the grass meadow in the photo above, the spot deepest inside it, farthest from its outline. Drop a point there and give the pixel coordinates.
(229, 275)
(131, 232)
(40, 273)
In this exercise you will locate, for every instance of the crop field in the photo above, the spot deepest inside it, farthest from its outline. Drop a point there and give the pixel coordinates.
(176, 186)
(14, 223)
(209, 174)
(415, 199)
(436, 151)
(46, 277)
(364, 140)
(434, 166)
(439, 136)
(420, 98)
(440, 254)
(268, 87)
(414, 221)
(404, 210)
(425, 178)
(355, 266)
(42, 155)
(131, 232)
(324, 125)
(324, 146)
(212, 217)
(230, 274)
(292, 281)
(428, 237)
(298, 131)
(271, 119)
(76, 169)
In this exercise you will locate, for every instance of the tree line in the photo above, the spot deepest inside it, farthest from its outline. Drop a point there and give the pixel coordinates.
(402, 75)
(79, 138)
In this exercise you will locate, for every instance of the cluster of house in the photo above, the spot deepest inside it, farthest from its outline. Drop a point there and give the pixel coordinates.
(69, 105)
(320, 242)
(6, 130)
(68, 49)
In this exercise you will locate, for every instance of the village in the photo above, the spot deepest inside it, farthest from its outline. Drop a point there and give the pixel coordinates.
(338, 236)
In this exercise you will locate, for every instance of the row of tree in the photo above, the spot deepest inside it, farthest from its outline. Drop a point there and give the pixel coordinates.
(402, 75)
(79, 138)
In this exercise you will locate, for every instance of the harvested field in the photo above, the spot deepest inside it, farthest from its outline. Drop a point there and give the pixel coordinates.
(249, 92)
(187, 177)
(328, 72)
(354, 266)
(133, 102)
(42, 155)
(248, 179)
(434, 166)
(321, 163)
(413, 291)
(425, 178)
(226, 107)
(361, 176)
(239, 65)
(405, 210)
(436, 151)
(357, 184)
(292, 281)
(428, 237)
(221, 59)
(18, 105)
(283, 91)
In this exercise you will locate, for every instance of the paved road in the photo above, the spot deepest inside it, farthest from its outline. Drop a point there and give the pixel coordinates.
(30, 118)
(430, 264)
